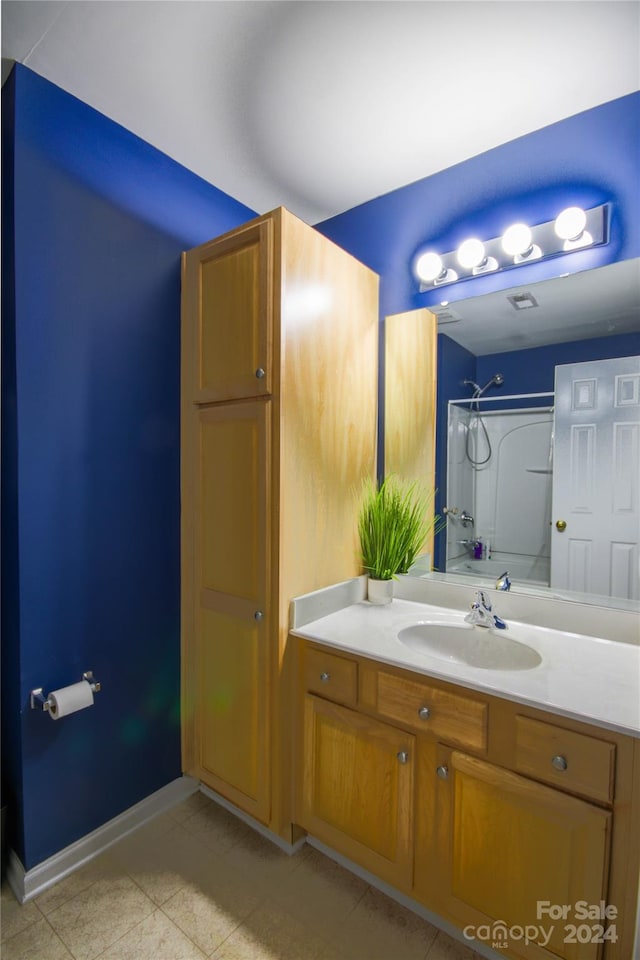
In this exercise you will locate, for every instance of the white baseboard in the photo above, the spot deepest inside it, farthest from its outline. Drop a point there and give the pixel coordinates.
(289, 848)
(27, 884)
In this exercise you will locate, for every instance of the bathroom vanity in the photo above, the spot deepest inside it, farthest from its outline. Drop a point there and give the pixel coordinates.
(503, 800)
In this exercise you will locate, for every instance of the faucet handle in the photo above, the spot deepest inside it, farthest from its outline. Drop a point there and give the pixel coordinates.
(484, 602)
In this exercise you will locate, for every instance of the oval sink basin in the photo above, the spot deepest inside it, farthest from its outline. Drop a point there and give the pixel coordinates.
(465, 643)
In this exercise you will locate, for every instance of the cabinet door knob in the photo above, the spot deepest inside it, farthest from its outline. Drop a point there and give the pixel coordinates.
(443, 772)
(260, 373)
(560, 762)
(403, 756)
(325, 677)
(424, 713)
(258, 615)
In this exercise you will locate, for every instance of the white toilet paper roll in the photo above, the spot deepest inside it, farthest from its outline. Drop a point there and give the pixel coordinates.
(70, 699)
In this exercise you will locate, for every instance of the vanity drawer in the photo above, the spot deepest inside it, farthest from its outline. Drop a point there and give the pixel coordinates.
(572, 761)
(427, 708)
(330, 676)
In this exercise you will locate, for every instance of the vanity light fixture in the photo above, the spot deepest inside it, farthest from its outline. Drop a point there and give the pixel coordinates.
(430, 269)
(570, 227)
(471, 255)
(517, 243)
(573, 229)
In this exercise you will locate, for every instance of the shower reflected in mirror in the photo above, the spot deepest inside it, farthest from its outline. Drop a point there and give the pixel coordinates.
(500, 464)
(476, 428)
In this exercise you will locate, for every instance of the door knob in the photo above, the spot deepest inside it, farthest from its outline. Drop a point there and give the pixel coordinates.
(403, 756)
(424, 713)
(260, 373)
(443, 772)
(258, 615)
(561, 525)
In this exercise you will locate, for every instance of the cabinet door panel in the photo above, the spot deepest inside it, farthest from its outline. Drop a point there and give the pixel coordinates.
(232, 702)
(234, 486)
(232, 542)
(356, 792)
(228, 301)
(512, 843)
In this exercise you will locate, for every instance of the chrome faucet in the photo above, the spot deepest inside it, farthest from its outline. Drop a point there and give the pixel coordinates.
(481, 614)
(503, 582)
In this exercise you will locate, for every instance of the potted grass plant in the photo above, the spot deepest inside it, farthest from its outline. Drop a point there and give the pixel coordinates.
(395, 519)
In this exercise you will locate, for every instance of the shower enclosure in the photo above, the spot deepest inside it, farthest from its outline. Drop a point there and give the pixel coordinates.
(499, 478)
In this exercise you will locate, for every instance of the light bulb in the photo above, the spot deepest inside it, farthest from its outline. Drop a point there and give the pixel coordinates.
(516, 239)
(570, 223)
(471, 253)
(429, 267)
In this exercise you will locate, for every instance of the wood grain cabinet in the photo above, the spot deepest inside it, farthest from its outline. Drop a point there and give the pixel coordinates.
(357, 788)
(279, 388)
(504, 844)
(496, 813)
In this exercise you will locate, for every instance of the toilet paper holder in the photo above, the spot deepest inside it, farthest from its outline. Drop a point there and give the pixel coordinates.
(40, 702)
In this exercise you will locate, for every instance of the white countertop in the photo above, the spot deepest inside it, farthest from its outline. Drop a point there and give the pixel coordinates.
(586, 678)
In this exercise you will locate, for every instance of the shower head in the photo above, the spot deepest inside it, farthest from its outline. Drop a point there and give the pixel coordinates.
(496, 380)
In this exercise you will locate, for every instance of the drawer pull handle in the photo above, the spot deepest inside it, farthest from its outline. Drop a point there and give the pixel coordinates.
(424, 713)
(443, 772)
(560, 763)
(260, 373)
(325, 677)
(403, 756)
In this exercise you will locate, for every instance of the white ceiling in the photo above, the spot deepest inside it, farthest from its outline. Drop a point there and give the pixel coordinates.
(320, 106)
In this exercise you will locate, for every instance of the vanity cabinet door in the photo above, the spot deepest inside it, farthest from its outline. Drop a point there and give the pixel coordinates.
(491, 844)
(356, 789)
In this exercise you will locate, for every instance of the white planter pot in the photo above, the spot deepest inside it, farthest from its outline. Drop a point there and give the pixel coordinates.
(379, 591)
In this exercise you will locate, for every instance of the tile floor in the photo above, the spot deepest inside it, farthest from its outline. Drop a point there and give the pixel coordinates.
(197, 883)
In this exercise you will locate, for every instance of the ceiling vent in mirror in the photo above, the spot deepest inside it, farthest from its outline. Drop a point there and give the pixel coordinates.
(522, 301)
(446, 315)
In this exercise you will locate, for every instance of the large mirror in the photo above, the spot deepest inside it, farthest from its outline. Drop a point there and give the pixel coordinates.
(538, 420)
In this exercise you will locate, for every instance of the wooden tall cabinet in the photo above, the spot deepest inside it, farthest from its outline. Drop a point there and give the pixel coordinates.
(410, 400)
(279, 382)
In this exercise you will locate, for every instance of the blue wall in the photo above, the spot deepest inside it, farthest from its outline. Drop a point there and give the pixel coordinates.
(588, 159)
(533, 371)
(93, 512)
